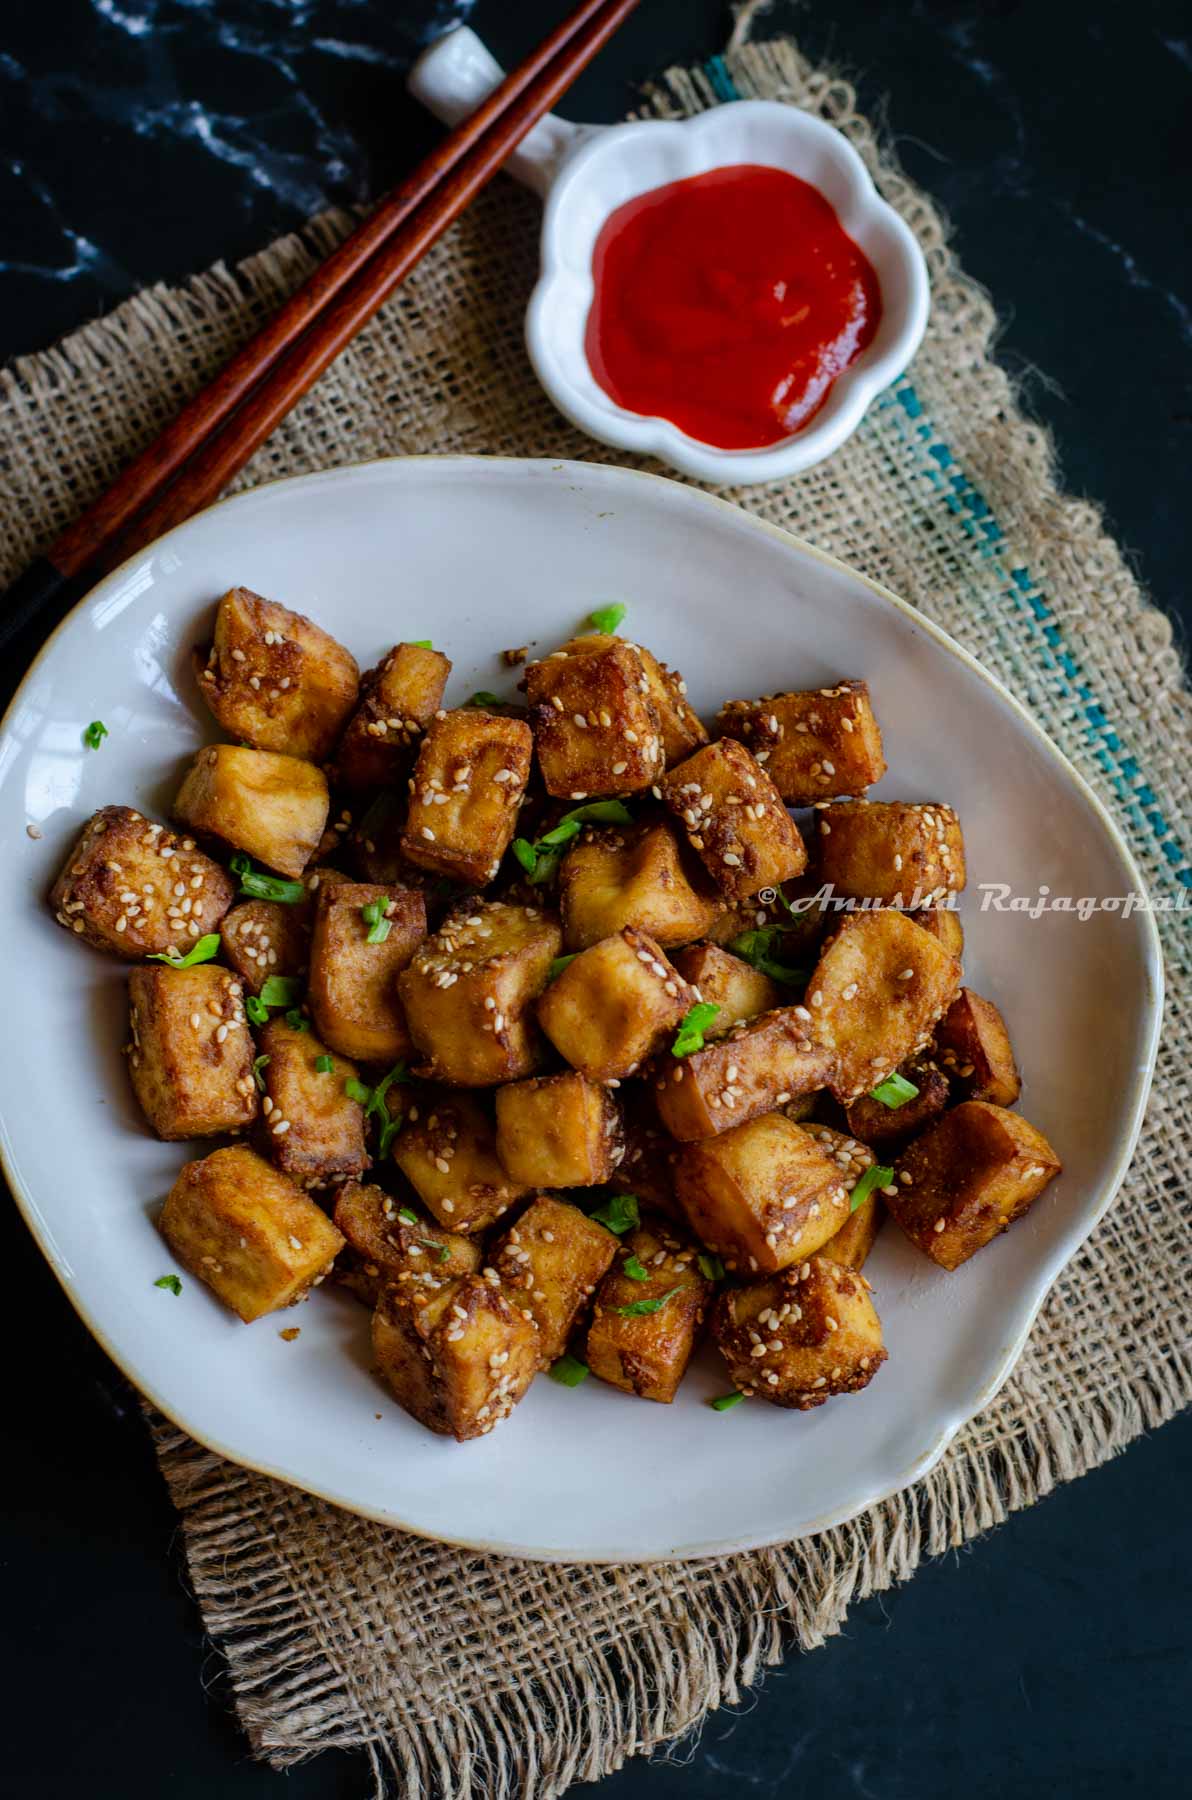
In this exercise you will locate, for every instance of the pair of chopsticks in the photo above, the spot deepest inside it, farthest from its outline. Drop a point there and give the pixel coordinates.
(215, 434)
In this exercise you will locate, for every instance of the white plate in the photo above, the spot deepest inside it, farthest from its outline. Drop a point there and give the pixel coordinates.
(482, 554)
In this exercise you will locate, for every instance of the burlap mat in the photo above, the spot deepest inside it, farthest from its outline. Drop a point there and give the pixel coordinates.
(468, 1675)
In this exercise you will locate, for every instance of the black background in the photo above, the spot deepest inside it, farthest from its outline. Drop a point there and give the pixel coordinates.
(141, 140)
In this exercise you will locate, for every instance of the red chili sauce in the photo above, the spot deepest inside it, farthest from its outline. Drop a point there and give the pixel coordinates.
(728, 303)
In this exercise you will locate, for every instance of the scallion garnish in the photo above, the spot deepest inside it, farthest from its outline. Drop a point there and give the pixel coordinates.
(356, 1090)
(169, 1281)
(690, 1035)
(894, 1091)
(620, 1214)
(324, 1065)
(637, 1308)
(95, 734)
(408, 1214)
(757, 946)
(607, 618)
(255, 884)
(280, 990)
(421, 644)
(296, 1019)
(569, 1371)
(874, 1177)
(206, 950)
(723, 1402)
(259, 1063)
(559, 964)
(375, 1106)
(541, 858)
(635, 1269)
(710, 1267)
(482, 697)
(379, 926)
(257, 1011)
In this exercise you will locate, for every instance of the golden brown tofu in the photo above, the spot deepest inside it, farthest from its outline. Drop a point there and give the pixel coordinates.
(856, 1237)
(118, 888)
(265, 937)
(469, 992)
(970, 1176)
(614, 1005)
(558, 1131)
(735, 819)
(943, 922)
(465, 794)
(398, 700)
(738, 989)
(275, 679)
(191, 1053)
(756, 1067)
(637, 876)
(885, 1126)
(272, 807)
(876, 993)
(353, 982)
(249, 1232)
(644, 1330)
(457, 1357)
(679, 727)
(310, 1127)
(447, 1151)
(891, 851)
(551, 1263)
(813, 744)
(802, 1336)
(595, 726)
(763, 1195)
(388, 1242)
(974, 1050)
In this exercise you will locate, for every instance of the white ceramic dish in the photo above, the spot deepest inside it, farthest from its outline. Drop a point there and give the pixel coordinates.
(482, 554)
(585, 172)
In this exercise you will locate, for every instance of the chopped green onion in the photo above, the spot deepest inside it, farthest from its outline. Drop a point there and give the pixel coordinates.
(690, 1035)
(259, 1063)
(169, 1281)
(281, 990)
(620, 1214)
(560, 963)
(374, 1104)
(635, 1269)
(389, 1130)
(723, 1402)
(756, 947)
(874, 1177)
(562, 833)
(257, 1011)
(256, 885)
(711, 1267)
(421, 644)
(356, 1090)
(444, 1250)
(296, 1019)
(325, 1065)
(95, 734)
(637, 1308)
(409, 1215)
(607, 618)
(206, 950)
(541, 858)
(379, 926)
(482, 697)
(894, 1091)
(569, 1371)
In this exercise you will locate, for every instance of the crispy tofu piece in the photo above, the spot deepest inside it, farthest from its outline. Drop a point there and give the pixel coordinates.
(273, 807)
(885, 1127)
(943, 922)
(447, 1151)
(469, 992)
(558, 1131)
(309, 1126)
(465, 794)
(974, 1050)
(757, 1066)
(762, 1195)
(388, 1242)
(735, 820)
(855, 1239)
(551, 1263)
(614, 1005)
(739, 990)
(353, 984)
(265, 937)
(876, 994)
(596, 729)
(802, 1336)
(813, 744)
(457, 1357)
(970, 1176)
(647, 1353)
(191, 1053)
(635, 876)
(117, 889)
(275, 679)
(679, 726)
(249, 1232)
(891, 850)
(398, 700)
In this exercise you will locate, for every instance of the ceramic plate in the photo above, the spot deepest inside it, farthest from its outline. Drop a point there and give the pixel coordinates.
(482, 554)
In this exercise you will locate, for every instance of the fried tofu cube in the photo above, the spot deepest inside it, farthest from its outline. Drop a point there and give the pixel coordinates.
(735, 820)
(275, 679)
(470, 989)
(272, 807)
(813, 744)
(353, 983)
(885, 1127)
(398, 700)
(975, 1052)
(613, 1006)
(457, 1357)
(387, 1243)
(762, 1195)
(970, 1176)
(815, 1327)
(465, 794)
(309, 1126)
(636, 876)
(729, 982)
(891, 850)
(249, 1232)
(679, 726)
(265, 937)
(117, 889)
(643, 1332)
(551, 1263)
(191, 1053)
(876, 994)
(757, 1066)
(943, 922)
(595, 726)
(558, 1131)
(855, 1239)
(447, 1151)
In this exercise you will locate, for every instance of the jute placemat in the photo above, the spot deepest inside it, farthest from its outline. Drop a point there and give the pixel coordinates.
(471, 1676)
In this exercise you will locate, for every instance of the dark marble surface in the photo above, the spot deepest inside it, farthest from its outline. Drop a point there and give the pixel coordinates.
(142, 139)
